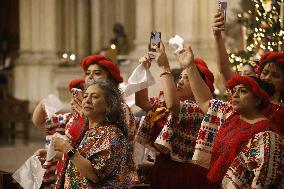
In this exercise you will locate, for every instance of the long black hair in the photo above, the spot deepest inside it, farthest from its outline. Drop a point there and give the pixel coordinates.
(113, 97)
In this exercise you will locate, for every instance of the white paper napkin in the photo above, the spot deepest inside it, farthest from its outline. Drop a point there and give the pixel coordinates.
(176, 43)
(140, 78)
(30, 174)
(52, 105)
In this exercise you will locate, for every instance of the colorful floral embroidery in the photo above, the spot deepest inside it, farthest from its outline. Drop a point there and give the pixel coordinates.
(108, 151)
(177, 134)
(261, 160)
(55, 124)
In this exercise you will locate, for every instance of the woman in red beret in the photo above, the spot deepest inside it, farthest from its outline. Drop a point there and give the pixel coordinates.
(57, 123)
(171, 125)
(271, 69)
(98, 67)
(102, 157)
(241, 147)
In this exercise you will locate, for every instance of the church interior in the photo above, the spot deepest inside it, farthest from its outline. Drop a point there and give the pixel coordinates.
(43, 42)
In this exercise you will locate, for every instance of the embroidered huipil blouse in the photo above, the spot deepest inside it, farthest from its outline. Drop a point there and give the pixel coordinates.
(239, 154)
(176, 134)
(110, 156)
(56, 123)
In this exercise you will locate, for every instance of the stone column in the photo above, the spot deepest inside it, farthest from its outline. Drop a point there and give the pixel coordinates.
(25, 26)
(69, 26)
(185, 14)
(83, 28)
(144, 23)
(96, 30)
(120, 9)
(33, 70)
(108, 19)
(163, 18)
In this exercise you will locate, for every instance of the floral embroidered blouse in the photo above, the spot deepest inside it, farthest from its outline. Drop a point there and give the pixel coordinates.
(74, 130)
(256, 162)
(176, 134)
(56, 123)
(109, 153)
(130, 122)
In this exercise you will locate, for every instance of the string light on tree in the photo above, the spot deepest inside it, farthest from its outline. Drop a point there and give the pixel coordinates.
(264, 30)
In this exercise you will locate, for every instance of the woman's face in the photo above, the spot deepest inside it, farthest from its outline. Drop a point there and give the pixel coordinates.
(94, 103)
(243, 100)
(95, 72)
(273, 74)
(247, 70)
(183, 87)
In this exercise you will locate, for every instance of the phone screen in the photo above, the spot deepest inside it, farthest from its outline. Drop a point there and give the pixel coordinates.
(155, 40)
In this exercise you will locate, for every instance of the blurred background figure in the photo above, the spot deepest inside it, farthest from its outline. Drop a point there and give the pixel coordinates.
(249, 68)
(120, 40)
(120, 44)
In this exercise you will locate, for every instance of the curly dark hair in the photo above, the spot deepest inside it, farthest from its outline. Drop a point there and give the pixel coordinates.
(113, 97)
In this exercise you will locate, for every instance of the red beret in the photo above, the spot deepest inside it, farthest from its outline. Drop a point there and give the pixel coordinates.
(250, 83)
(104, 62)
(209, 77)
(270, 57)
(76, 82)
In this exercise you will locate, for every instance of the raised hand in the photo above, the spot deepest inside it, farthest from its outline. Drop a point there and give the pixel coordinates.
(161, 57)
(218, 24)
(76, 102)
(61, 145)
(41, 155)
(185, 57)
(145, 61)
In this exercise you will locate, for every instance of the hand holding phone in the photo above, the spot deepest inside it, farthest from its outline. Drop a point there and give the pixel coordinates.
(76, 103)
(76, 91)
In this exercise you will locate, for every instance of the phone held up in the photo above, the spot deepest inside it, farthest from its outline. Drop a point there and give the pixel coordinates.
(76, 92)
(155, 40)
(222, 7)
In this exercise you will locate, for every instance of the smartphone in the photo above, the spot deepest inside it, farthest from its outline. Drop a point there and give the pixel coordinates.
(155, 40)
(222, 7)
(76, 92)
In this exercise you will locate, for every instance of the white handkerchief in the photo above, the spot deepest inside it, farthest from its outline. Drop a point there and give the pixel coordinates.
(50, 150)
(140, 78)
(30, 174)
(52, 105)
(130, 100)
(176, 43)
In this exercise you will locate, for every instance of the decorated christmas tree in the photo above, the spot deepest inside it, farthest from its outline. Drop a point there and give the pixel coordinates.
(262, 29)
